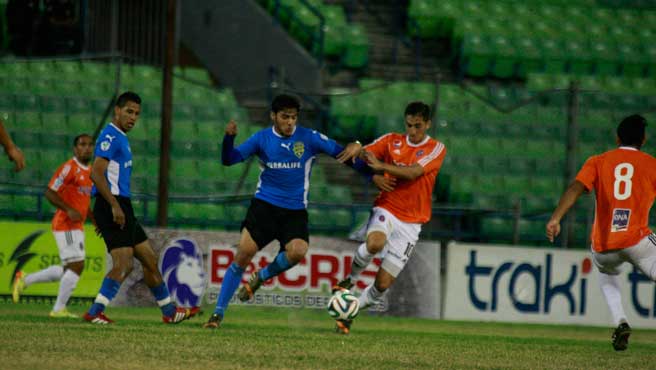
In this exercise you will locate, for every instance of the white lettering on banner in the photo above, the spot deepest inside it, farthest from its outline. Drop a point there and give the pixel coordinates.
(296, 287)
(537, 285)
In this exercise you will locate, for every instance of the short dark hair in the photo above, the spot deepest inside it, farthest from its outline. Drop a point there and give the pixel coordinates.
(631, 130)
(126, 97)
(284, 101)
(417, 108)
(80, 136)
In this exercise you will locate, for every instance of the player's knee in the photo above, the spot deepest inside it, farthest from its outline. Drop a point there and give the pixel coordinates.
(76, 267)
(375, 242)
(296, 250)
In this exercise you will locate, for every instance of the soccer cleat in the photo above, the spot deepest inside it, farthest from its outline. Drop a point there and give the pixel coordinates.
(620, 338)
(180, 315)
(63, 314)
(214, 322)
(343, 326)
(247, 291)
(18, 286)
(99, 319)
(345, 284)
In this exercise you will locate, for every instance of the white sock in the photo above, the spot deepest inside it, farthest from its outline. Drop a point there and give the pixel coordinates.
(67, 284)
(610, 287)
(370, 296)
(361, 259)
(52, 273)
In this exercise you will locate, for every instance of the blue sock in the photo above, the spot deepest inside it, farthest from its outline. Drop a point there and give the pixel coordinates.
(279, 264)
(161, 293)
(230, 283)
(108, 291)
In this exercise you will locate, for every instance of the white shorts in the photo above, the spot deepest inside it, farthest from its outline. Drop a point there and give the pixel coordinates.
(641, 255)
(401, 239)
(71, 245)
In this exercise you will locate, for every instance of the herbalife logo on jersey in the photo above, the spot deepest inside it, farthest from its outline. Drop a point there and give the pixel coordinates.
(620, 220)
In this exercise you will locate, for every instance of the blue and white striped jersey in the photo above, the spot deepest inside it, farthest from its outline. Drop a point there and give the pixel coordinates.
(112, 144)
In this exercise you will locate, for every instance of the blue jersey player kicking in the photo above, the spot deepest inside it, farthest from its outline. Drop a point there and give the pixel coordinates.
(122, 233)
(278, 209)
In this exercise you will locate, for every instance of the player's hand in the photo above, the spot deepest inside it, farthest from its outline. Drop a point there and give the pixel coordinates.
(352, 151)
(384, 183)
(16, 156)
(553, 229)
(74, 215)
(231, 128)
(372, 161)
(118, 215)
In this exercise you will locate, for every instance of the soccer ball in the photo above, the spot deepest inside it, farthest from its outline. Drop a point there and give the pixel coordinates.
(343, 305)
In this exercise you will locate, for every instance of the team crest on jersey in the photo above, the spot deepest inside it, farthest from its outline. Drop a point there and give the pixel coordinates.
(299, 149)
(620, 220)
(396, 143)
(420, 153)
(104, 146)
(181, 265)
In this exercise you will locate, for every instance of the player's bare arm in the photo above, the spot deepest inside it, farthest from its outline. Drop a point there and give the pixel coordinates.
(231, 128)
(351, 152)
(384, 183)
(567, 200)
(403, 172)
(98, 177)
(58, 202)
(13, 152)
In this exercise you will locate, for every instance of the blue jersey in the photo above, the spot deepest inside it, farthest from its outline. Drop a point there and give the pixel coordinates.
(112, 144)
(287, 163)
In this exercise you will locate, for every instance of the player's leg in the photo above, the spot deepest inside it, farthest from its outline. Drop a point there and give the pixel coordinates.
(122, 263)
(71, 251)
(22, 281)
(608, 265)
(246, 249)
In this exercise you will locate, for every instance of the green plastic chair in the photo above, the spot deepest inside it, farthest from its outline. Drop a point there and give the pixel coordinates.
(477, 56)
(356, 54)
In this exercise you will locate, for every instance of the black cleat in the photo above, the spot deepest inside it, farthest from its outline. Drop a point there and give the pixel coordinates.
(343, 326)
(345, 284)
(214, 322)
(620, 338)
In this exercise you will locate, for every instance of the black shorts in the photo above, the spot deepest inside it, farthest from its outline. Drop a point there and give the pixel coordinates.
(115, 237)
(266, 222)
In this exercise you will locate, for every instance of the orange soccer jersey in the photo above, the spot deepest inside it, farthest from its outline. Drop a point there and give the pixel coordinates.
(72, 182)
(624, 181)
(411, 200)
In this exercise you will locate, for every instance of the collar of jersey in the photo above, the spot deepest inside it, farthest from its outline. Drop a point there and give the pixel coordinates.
(117, 129)
(273, 129)
(407, 140)
(80, 164)
(628, 148)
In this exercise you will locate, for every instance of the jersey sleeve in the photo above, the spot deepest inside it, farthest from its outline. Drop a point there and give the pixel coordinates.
(323, 144)
(433, 161)
(106, 146)
(250, 146)
(379, 147)
(588, 174)
(60, 177)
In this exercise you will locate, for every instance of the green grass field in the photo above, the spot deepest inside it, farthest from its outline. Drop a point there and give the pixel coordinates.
(265, 338)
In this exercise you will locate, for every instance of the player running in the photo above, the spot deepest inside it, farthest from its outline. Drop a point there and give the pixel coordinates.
(70, 191)
(624, 181)
(412, 161)
(122, 232)
(278, 209)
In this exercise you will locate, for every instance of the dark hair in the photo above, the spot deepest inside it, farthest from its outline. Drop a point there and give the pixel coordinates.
(417, 108)
(126, 97)
(631, 130)
(80, 136)
(283, 101)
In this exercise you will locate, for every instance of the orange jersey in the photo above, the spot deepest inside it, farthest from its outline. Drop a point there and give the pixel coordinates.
(624, 181)
(410, 201)
(72, 182)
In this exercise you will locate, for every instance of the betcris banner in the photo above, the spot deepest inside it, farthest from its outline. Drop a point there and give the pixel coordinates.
(540, 285)
(30, 247)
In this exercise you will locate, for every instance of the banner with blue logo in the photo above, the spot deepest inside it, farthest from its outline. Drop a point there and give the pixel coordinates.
(545, 285)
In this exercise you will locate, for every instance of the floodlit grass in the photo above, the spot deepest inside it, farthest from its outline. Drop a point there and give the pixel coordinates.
(265, 338)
